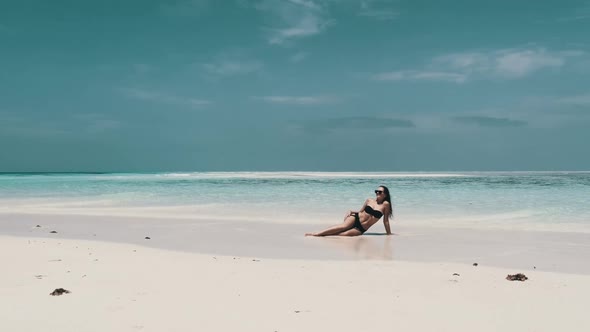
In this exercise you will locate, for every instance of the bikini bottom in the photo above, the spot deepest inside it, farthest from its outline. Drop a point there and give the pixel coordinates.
(358, 225)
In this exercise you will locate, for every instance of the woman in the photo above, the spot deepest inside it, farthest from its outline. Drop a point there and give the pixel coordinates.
(357, 222)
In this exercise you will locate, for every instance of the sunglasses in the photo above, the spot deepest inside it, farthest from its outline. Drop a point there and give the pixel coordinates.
(378, 192)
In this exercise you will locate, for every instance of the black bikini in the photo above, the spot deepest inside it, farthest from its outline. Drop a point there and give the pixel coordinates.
(375, 213)
(357, 222)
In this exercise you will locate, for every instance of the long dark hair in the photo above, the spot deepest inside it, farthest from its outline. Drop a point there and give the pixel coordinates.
(388, 199)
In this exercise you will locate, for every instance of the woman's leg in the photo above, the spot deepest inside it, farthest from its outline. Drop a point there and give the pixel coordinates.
(351, 232)
(336, 230)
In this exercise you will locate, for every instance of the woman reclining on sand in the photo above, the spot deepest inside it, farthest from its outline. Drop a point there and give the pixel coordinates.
(356, 223)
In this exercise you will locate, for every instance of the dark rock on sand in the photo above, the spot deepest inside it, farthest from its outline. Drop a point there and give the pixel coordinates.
(475, 264)
(147, 237)
(456, 274)
(59, 291)
(518, 276)
(53, 232)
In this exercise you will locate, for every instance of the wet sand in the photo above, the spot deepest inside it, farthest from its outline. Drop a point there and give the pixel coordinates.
(546, 251)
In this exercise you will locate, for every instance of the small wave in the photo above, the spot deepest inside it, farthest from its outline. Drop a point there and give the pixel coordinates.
(175, 175)
(305, 175)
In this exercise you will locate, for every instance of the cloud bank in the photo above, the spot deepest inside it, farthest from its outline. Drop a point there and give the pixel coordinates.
(356, 123)
(488, 121)
(298, 100)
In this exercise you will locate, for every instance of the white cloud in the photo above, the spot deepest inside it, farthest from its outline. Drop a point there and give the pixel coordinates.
(415, 75)
(232, 67)
(293, 19)
(381, 14)
(306, 3)
(499, 64)
(505, 63)
(298, 100)
(97, 123)
(185, 7)
(103, 125)
(580, 100)
(580, 13)
(25, 124)
(466, 62)
(516, 64)
(298, 57)
(164, 98)
(46, 129)
(378, 9)
(142, 68)
(307, 26)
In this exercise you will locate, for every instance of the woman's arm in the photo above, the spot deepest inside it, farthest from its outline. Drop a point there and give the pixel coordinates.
(386, 218)
(350, 213)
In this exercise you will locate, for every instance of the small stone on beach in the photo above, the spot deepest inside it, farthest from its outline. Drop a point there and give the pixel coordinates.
(38, 226)
(53, 232)
(456, 274)
(147, 237)
(59, 291)
(518, 276)
(474, 264)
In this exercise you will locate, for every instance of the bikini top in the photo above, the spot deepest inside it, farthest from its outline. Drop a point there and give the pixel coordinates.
(375, 213)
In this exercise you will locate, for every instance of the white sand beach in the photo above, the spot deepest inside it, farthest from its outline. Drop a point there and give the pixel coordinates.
(161, 162)
(133, 287)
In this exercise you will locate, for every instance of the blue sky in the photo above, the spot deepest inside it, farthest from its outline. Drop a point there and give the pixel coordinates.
(324, 85)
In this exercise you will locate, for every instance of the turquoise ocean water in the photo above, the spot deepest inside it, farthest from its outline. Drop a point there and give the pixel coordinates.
(521, 200)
